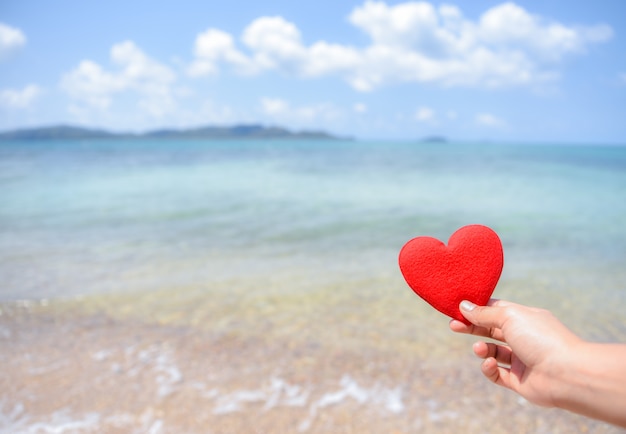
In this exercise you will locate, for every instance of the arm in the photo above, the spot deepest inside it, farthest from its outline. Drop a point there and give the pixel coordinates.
(596, 385)
(545, 362)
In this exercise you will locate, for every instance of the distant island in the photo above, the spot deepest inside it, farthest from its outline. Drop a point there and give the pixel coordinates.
(67, 132)
(434, 139)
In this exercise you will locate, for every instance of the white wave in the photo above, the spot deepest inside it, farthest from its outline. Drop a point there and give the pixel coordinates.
(278, 393)
(166, 372)
(168, 375)
(389, 399)
(233, 402)
(285, 394)
(58, 423)
(437, 415)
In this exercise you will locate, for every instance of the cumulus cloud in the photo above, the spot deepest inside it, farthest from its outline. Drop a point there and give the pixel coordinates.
(19, 98)
(274, 44)
(274, 106)
(213, 47)
(11, 40)
(409, 42)
(488, 120)
(282, 110)
(425, 114)
(90, 84)
(510, 27)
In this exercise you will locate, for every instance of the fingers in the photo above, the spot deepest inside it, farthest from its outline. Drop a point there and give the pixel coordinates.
(487, 321)
(495, 373)
(501, 353)
(460, 327)
(492, 316)
(490, 370)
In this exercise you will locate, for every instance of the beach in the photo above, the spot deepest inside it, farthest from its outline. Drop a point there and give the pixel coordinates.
(226, 287)
(355, 362)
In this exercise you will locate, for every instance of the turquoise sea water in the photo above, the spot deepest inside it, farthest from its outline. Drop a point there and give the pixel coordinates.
(83, 217)
(253, 285)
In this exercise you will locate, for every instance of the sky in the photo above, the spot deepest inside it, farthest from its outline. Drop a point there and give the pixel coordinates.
(525, 71)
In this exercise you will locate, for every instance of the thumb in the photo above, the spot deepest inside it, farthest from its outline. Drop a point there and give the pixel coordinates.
(483, 316)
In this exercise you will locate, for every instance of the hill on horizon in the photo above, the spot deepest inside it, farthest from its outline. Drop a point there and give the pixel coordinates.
(253, 131)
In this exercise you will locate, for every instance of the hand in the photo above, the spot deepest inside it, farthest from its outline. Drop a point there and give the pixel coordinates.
(534, 347)
(542, 360)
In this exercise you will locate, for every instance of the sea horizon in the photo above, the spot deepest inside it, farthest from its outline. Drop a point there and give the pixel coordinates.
(71, 132)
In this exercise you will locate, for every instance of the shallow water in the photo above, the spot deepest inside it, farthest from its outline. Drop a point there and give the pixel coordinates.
(108, 216)
(260, 278)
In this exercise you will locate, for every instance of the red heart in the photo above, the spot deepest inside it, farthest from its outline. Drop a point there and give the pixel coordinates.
(468, 268)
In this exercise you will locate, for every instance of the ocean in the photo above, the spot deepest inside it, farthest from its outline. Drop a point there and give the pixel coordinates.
(287, 247)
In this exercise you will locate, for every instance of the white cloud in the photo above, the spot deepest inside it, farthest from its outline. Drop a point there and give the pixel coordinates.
(324, 58)
(425, 114)
(406, 25)
(510, 26)
(151, 81)
(19, 98)
(275, 44)
(274, 106)
(11, 40)
(488, 120)
(428, 115)
(410, 42)
(91, 84)
(214, 46)
(282, 111)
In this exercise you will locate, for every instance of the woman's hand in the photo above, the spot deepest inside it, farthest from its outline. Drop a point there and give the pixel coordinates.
(542, 360)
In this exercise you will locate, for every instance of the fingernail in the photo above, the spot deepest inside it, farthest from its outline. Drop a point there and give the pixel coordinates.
(467, 306)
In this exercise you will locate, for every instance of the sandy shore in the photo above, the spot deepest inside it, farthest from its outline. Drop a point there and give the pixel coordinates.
(186, 361)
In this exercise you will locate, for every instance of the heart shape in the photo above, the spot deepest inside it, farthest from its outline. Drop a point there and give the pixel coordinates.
(468, 268)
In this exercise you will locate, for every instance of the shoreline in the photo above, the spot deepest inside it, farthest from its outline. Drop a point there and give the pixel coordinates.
(76, 367)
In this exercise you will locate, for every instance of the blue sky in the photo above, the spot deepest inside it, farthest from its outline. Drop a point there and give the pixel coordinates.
(526, 71)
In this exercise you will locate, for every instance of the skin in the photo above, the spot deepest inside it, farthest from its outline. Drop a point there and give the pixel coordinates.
(543, 361)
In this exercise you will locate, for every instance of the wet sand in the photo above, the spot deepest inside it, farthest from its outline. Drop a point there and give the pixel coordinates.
(227, 359)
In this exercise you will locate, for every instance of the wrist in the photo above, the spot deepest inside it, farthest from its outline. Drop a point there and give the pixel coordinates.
(570, 371)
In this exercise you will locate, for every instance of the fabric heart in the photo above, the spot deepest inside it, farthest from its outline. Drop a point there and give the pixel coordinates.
(468, 268)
